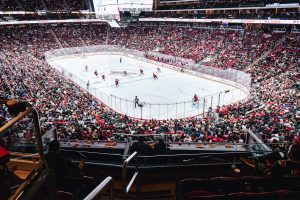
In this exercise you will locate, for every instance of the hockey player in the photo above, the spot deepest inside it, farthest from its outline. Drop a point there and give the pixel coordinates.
(195, 99)
(136, 101)
(141, 72)
(88, 85)
(96, 73)
(182, 70)
(86, 68)
(121, 59)
(155, 76)
(125, 73)
(158, 69)
(103, 77)
(117, 82)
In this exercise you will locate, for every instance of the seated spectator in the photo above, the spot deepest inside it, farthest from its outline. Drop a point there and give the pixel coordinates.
(61, 166)
(273, 163)
(141, 147)
(7, 178)
(291, 166)
(160, 148)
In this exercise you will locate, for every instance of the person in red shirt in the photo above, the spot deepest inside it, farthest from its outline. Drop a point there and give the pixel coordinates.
(195, 99)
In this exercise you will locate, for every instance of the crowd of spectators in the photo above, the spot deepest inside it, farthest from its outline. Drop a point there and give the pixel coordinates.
(283, 13)
(271, 111)
(52, 5)
(230, 49)
(6, 5)
(202, 4)
(245, 48)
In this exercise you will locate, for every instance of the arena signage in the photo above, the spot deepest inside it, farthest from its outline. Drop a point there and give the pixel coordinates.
(242, 21)
(51, 21)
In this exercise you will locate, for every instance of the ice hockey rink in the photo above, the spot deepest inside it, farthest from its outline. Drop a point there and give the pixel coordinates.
(169, 96)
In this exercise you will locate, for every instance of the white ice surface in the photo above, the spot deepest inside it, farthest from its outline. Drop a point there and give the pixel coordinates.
(168, 97)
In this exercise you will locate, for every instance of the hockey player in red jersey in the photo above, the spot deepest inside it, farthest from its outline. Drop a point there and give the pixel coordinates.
(155, 76)
(195, 99)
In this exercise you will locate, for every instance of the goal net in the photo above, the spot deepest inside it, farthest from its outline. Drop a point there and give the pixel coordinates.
(83, 56)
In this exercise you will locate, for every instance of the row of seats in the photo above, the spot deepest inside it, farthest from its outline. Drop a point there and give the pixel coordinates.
(239, 188)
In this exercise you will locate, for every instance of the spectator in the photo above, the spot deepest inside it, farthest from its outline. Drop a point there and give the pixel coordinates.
(141, 147)
(291, 166)
(160, 148)
(62, 167)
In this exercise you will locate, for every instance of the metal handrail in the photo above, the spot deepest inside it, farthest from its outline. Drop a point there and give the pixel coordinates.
(125, 187)
(187, 143)
(51, 132)
(257, 140)
(36, 121)
(108, 181)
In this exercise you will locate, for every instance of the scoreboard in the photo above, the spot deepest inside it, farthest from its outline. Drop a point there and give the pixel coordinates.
(141, 5)
(113, 7)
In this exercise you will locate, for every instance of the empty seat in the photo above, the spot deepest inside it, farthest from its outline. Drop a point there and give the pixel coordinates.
(256, 196)
(62, 195)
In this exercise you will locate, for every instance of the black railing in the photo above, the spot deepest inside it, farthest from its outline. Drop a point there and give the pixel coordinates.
(125, 187)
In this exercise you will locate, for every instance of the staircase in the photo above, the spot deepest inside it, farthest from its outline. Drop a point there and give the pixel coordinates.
(43, 4)
(264, 55)
(56, 39)
(212, 58)
(19, 4)
(67, 5)
(82, 41)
